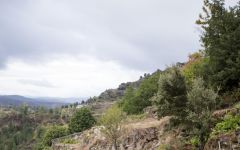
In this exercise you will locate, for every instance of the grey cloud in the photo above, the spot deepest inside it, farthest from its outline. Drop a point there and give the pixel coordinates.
(141, 34)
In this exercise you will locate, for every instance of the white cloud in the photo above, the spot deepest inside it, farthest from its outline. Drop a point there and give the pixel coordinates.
(63, 77)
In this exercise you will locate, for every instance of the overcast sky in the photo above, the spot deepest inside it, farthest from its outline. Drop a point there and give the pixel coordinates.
(78, 48)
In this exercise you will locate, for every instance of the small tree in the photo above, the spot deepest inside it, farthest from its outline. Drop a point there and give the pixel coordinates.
(112, 124)
(201, 104)
(171, 97)
(81, 120)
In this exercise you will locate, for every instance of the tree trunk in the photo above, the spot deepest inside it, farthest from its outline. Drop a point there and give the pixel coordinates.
(202, 138)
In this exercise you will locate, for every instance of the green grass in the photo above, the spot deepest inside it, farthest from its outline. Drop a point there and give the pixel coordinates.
(230, 123)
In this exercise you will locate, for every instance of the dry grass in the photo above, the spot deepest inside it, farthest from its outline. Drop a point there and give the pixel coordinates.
(148, 123)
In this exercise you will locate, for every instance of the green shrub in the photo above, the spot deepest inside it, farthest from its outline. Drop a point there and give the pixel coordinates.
(201, 104)
(53, 133)
(112, 122)
(230, 123)
(81, 120)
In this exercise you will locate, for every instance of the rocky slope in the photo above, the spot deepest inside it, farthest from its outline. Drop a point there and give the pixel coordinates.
(147, 134)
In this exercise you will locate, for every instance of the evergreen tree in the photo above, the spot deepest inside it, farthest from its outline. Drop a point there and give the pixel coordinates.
(171, 97)
(221, 36)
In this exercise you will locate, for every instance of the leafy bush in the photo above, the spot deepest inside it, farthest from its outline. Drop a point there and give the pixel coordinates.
(54, 132)
(201, 104)
(112, 122)
(195, 141)
(81, 120)
(200, 100)
(230, 123)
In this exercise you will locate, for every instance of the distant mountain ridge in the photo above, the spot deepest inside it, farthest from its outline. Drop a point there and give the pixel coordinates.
(17, 100)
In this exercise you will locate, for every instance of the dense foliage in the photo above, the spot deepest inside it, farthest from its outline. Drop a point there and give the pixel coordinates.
(81, 120)
(221, 36)
(135, 100)
(53, 133)
(171, 96)
(201, 104)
